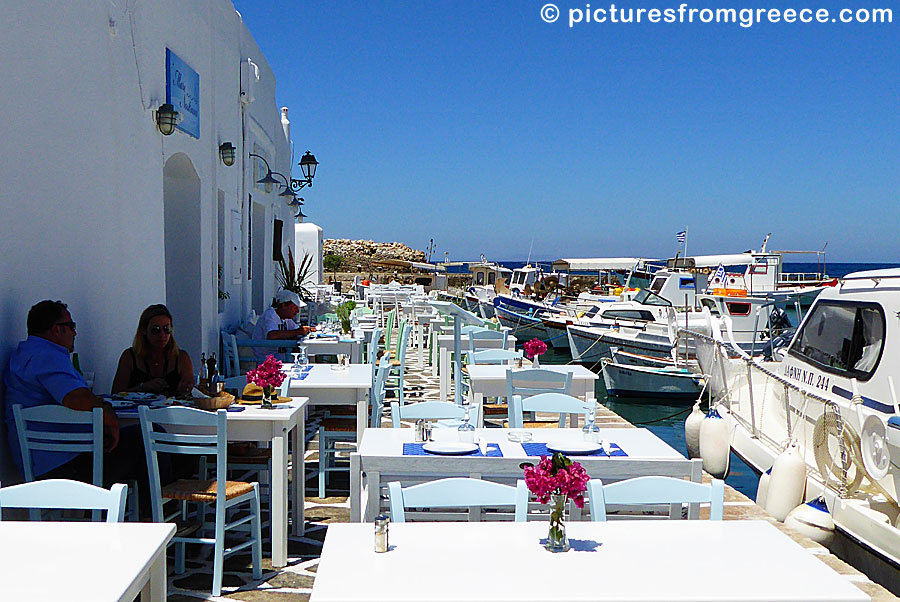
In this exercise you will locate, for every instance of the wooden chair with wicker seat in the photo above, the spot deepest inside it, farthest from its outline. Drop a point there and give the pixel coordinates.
(200, 433)
(525, 383)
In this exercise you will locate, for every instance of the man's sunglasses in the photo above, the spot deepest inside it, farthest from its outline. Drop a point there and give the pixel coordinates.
(159, 329)
(69, 324)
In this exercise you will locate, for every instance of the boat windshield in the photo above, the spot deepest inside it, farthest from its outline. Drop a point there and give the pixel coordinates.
(844, 338)
(646, 297)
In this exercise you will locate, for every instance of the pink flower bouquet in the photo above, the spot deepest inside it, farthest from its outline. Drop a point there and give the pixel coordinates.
(534, 347)
(554, 480)
(557, 475)
(267, 375)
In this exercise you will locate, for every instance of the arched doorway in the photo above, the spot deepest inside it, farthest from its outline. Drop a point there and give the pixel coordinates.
(181, 202)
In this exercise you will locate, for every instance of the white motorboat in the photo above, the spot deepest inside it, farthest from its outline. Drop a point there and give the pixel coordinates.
(672, 383)
(833, 398)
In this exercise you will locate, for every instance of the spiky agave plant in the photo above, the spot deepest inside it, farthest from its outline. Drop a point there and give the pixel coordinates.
(292, 278)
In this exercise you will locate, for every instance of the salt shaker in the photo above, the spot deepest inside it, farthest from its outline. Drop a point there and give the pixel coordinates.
(428, 429)
(420, 431)
(382, 521)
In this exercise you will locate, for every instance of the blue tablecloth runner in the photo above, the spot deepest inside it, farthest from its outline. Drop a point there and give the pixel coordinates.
(416, 449)
(540, 449)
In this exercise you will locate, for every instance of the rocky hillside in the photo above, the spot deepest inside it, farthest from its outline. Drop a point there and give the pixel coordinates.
(360, 255)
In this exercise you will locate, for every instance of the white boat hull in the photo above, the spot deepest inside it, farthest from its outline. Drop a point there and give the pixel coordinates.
(643, 381)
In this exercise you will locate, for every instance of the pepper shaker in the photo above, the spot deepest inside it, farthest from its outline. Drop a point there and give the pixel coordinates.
(420, 431)
(382, 521)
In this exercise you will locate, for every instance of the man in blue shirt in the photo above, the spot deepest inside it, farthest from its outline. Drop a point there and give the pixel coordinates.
(40, 372)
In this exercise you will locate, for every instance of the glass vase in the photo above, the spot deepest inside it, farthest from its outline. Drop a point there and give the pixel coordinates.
(267, 397)
(536, 361)
(557, 541)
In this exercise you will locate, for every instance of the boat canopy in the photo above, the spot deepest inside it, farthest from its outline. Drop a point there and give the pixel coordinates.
(712, 261)
(400, 263)
(598, 264)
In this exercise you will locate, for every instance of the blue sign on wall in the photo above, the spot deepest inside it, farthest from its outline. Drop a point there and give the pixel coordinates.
(183, 92)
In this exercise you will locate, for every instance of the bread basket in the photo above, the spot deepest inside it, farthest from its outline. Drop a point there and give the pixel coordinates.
(219, 402)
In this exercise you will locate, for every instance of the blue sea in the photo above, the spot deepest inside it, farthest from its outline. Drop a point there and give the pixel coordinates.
(667, 421)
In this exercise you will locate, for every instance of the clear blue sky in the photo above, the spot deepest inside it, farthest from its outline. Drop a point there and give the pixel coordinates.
(481, 126)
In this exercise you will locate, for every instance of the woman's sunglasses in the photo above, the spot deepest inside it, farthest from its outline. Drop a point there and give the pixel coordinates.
(159, 329)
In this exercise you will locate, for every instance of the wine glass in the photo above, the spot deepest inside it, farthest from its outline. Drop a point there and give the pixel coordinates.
(466, 430)
(301, 358)
(590, 432)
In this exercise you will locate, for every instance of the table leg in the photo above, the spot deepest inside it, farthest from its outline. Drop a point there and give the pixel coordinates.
(444, 373)
(373, 489)
(278, 501)
(355, 488)
(479, 403)
(362, 415)
(434, 345)
(155, 588)
(298, 475)
(420, 335)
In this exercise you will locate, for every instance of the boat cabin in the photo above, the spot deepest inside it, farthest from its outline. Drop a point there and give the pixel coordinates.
(486, 274)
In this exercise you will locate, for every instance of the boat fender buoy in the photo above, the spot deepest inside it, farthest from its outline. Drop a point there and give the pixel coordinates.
(715, 444)
(813, 520)
(692, 431)
(786, 484)
(762, 490)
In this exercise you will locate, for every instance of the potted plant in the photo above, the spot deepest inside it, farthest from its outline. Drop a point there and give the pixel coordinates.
(343, 312)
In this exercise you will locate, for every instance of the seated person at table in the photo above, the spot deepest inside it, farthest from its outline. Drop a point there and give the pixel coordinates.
(40, 372)
(153, 363)
(277, 322)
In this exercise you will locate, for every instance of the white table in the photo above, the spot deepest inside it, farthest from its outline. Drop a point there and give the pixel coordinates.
(445, 343)
(489, 380)
(380, 459)
(83, 562)
(274, 426)
(330, 345)
(642, 560)
(325, 386)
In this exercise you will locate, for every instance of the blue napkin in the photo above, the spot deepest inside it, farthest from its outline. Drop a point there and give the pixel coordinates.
(416, 449)
(540, 449)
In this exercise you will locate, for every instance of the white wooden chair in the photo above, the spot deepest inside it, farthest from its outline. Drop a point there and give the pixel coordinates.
(457, 493)
(58, 429)
(655, 490)
(426, 410)
(200, 433)
(62, 494)
(559, 403)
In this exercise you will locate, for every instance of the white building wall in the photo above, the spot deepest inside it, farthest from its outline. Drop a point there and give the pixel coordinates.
(308, 238)
(83, 188)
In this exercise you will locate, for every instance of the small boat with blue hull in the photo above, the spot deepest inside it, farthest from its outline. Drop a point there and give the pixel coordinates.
(522, 316)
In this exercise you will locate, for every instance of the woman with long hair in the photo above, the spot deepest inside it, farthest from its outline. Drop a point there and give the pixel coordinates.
(154, 363)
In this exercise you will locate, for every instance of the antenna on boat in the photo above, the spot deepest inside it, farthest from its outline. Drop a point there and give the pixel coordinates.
(765, 242)
(528, 261)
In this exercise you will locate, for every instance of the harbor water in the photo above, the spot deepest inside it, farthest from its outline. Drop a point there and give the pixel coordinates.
(666, 421)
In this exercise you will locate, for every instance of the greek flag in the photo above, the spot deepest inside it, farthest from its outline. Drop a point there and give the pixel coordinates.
(681, 236)
(719, 276)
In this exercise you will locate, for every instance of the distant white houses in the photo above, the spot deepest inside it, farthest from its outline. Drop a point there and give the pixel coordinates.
(103, 211)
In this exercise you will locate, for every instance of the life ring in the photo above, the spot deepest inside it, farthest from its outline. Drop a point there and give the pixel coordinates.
(828, 453)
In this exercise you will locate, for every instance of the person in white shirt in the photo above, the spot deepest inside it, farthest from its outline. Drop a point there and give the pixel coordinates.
(277, 322)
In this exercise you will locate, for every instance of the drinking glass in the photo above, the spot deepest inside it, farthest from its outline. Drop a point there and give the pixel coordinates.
(89, 380)
(302, 359)
(466, 430)
(590, 432)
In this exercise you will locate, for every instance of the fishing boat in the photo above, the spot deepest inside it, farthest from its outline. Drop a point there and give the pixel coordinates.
(752, 299)
(479, 296)
(832, 399)
(670, 382)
